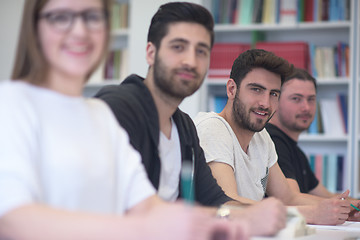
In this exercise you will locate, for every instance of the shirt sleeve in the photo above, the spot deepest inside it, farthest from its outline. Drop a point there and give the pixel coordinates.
(216, 141)
(208, 192)
(18, 150)
(133, 183)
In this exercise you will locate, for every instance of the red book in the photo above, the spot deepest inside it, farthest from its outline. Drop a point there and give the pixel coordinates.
(347, 60)
(222, 58)
(325, 10)
(296, 53)
(309, 11)
(319, 167)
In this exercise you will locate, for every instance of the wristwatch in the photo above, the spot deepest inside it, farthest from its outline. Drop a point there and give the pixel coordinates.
(223, 212)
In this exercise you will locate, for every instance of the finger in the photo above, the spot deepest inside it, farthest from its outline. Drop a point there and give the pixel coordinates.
(340, 221)
(343, 203)
(344, 194)
(346, 205)
(344, 216)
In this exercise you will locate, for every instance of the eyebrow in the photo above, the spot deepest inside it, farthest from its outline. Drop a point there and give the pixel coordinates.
(182, 40)
(300, 95)
(262, 87)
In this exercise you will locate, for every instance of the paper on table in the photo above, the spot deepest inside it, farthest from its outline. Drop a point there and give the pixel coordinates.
(347, 226)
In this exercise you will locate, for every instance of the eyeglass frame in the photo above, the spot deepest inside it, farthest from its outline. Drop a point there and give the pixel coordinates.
(74, 15)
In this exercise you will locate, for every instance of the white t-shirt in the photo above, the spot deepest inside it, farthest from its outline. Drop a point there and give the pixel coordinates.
(220, 144)
(65, 152)
(170, 157)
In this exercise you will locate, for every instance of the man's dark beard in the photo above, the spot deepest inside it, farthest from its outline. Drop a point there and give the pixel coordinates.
(163, 80)
(242, 118)
(293, 126)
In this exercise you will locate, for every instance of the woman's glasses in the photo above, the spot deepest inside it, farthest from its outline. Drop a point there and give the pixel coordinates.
(63, 20)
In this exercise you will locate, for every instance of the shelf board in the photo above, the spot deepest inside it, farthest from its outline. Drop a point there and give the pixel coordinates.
(281, 27)
(216, 81)
(333, 81)
(322, 138)
(121, 32)
(103, 83)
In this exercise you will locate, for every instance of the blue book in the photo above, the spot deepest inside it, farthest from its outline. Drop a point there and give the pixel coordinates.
(334, 10)
(312, 162)
(215, 8)
(246, 10)
(312, 49)
(340, 173)
(313, 128)
(219, 103)
(316, 9)
(342, 6)
(332, 173)
(325, 170)
(343, 105)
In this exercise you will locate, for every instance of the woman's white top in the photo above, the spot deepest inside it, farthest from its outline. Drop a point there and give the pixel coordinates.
(65, 152)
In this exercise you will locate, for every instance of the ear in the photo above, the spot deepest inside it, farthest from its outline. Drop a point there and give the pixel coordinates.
(150, 53)
(231, 89)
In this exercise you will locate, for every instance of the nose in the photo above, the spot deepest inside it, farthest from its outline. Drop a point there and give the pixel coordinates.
(189, 59)
(264, 101)
(305, 105)
(79, 26)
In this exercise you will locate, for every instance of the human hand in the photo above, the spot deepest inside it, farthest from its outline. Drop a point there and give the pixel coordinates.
(178, 221)
(265, 218)
(354, 215)
(333, 211)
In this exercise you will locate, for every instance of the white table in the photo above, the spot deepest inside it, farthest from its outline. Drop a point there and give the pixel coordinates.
(347, 231)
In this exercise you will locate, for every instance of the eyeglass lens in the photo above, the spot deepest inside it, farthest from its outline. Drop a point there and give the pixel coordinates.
(64, 19)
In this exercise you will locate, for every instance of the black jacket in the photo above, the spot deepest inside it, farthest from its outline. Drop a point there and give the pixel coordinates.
(135, 110)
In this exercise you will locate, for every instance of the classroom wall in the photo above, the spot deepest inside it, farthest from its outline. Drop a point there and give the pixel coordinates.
(10, 17)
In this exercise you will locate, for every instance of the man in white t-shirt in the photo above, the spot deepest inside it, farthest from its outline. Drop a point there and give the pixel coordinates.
(240, 152)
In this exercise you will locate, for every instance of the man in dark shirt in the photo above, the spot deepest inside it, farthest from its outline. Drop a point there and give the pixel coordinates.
(294, 163)
(296, 111)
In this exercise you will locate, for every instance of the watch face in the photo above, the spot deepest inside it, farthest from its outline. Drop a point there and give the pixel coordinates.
(223, 212)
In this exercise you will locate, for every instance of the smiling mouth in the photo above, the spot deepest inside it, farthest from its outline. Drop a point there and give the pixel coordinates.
(260, 113)
(78, 50)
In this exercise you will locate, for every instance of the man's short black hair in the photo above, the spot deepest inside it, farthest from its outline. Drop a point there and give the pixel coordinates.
(174, 12)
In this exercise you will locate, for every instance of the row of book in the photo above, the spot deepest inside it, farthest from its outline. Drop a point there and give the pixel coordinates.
(329, 170)
(116, 65)
(119, 15)
(279, 11)
(321, 62)
(331, 117)
(329, 62)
